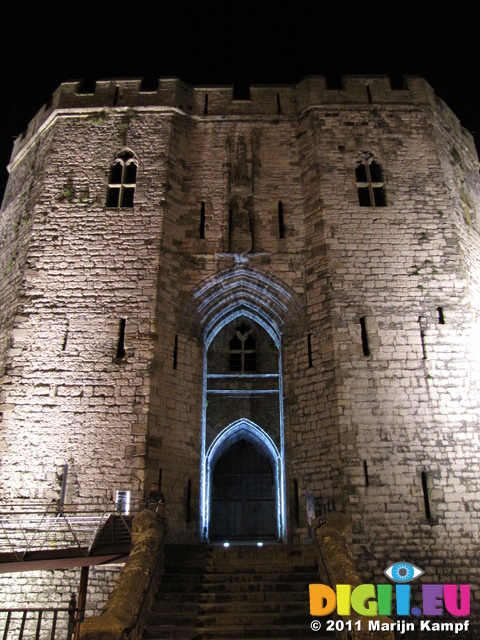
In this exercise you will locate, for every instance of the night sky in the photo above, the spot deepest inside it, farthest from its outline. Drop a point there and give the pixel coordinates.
(44, 44)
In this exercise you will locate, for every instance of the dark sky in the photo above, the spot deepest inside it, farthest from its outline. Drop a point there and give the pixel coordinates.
(44, 44)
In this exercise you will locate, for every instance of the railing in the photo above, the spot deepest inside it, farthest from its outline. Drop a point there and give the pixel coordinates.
(322, 520)
(322, 511)
(38, 622)
(322, 508)
(27, 526)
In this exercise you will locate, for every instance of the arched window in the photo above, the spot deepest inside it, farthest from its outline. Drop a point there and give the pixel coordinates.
(243, 351)
(122, 181)
(370, 182)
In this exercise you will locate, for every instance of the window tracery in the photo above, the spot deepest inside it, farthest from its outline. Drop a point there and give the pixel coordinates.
(370, 182)
(243, 351)
(122, 181)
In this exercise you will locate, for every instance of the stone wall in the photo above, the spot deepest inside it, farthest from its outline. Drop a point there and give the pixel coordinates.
(54, 589)
(82, 268)
(370, 428)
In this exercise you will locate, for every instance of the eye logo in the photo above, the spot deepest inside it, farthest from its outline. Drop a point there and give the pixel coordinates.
(403, 572)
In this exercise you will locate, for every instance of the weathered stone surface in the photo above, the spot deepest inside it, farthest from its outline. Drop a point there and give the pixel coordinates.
(356, 428)
(339, 568)
(125, 602)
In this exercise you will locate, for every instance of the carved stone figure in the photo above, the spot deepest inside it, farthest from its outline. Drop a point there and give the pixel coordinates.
(241, 172)
(241, 239)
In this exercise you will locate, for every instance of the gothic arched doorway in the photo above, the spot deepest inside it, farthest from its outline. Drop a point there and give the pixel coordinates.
(243, 476)
(243, 495)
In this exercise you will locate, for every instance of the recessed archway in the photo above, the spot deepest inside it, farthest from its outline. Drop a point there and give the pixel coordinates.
(245, 302)
(251, 399)
(244, 486)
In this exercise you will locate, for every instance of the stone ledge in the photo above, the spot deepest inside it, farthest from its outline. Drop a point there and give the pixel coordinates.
(334, 539)
(120, 611)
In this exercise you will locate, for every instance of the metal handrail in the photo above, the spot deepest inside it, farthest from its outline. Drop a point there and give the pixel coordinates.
(39, 618)
(325, 509)
(29, 526)
(322, 521)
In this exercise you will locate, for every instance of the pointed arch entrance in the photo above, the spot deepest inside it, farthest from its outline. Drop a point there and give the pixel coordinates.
(243, 496)
(240, 314)
(244, 485)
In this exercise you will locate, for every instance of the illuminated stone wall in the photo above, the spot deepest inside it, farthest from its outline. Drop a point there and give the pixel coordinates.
(54, 589)
(361, 423)
(68, 397)
(407, 408)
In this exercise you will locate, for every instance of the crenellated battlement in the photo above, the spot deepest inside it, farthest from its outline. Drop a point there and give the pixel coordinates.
(220, 101)
(268, 308)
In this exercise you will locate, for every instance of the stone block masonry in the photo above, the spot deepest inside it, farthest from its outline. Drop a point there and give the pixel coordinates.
(250, 213)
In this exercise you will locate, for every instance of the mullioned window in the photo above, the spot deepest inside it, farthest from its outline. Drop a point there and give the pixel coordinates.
(370, 182)
(243, 351)
(122, 181)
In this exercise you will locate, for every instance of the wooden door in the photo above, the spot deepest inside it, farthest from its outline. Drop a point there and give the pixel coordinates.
(243, 503)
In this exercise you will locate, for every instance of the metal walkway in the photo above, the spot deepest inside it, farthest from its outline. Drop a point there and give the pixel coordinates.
(36, 535)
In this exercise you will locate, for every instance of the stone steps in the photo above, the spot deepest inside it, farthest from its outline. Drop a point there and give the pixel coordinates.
(212, 578)
(219, 609)
(236, 579)
(218, 604)
(229, 594)
(247, 618)
(270, 632)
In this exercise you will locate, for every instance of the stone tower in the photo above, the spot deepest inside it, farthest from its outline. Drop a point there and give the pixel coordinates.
(252, 301)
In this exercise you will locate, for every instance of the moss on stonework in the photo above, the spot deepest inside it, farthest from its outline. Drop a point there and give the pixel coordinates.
(68, 192)
(127, 117)
(98, 118)
(84, 196)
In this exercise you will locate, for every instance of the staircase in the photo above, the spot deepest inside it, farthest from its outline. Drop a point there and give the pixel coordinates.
(237, 592)
(114, 536)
